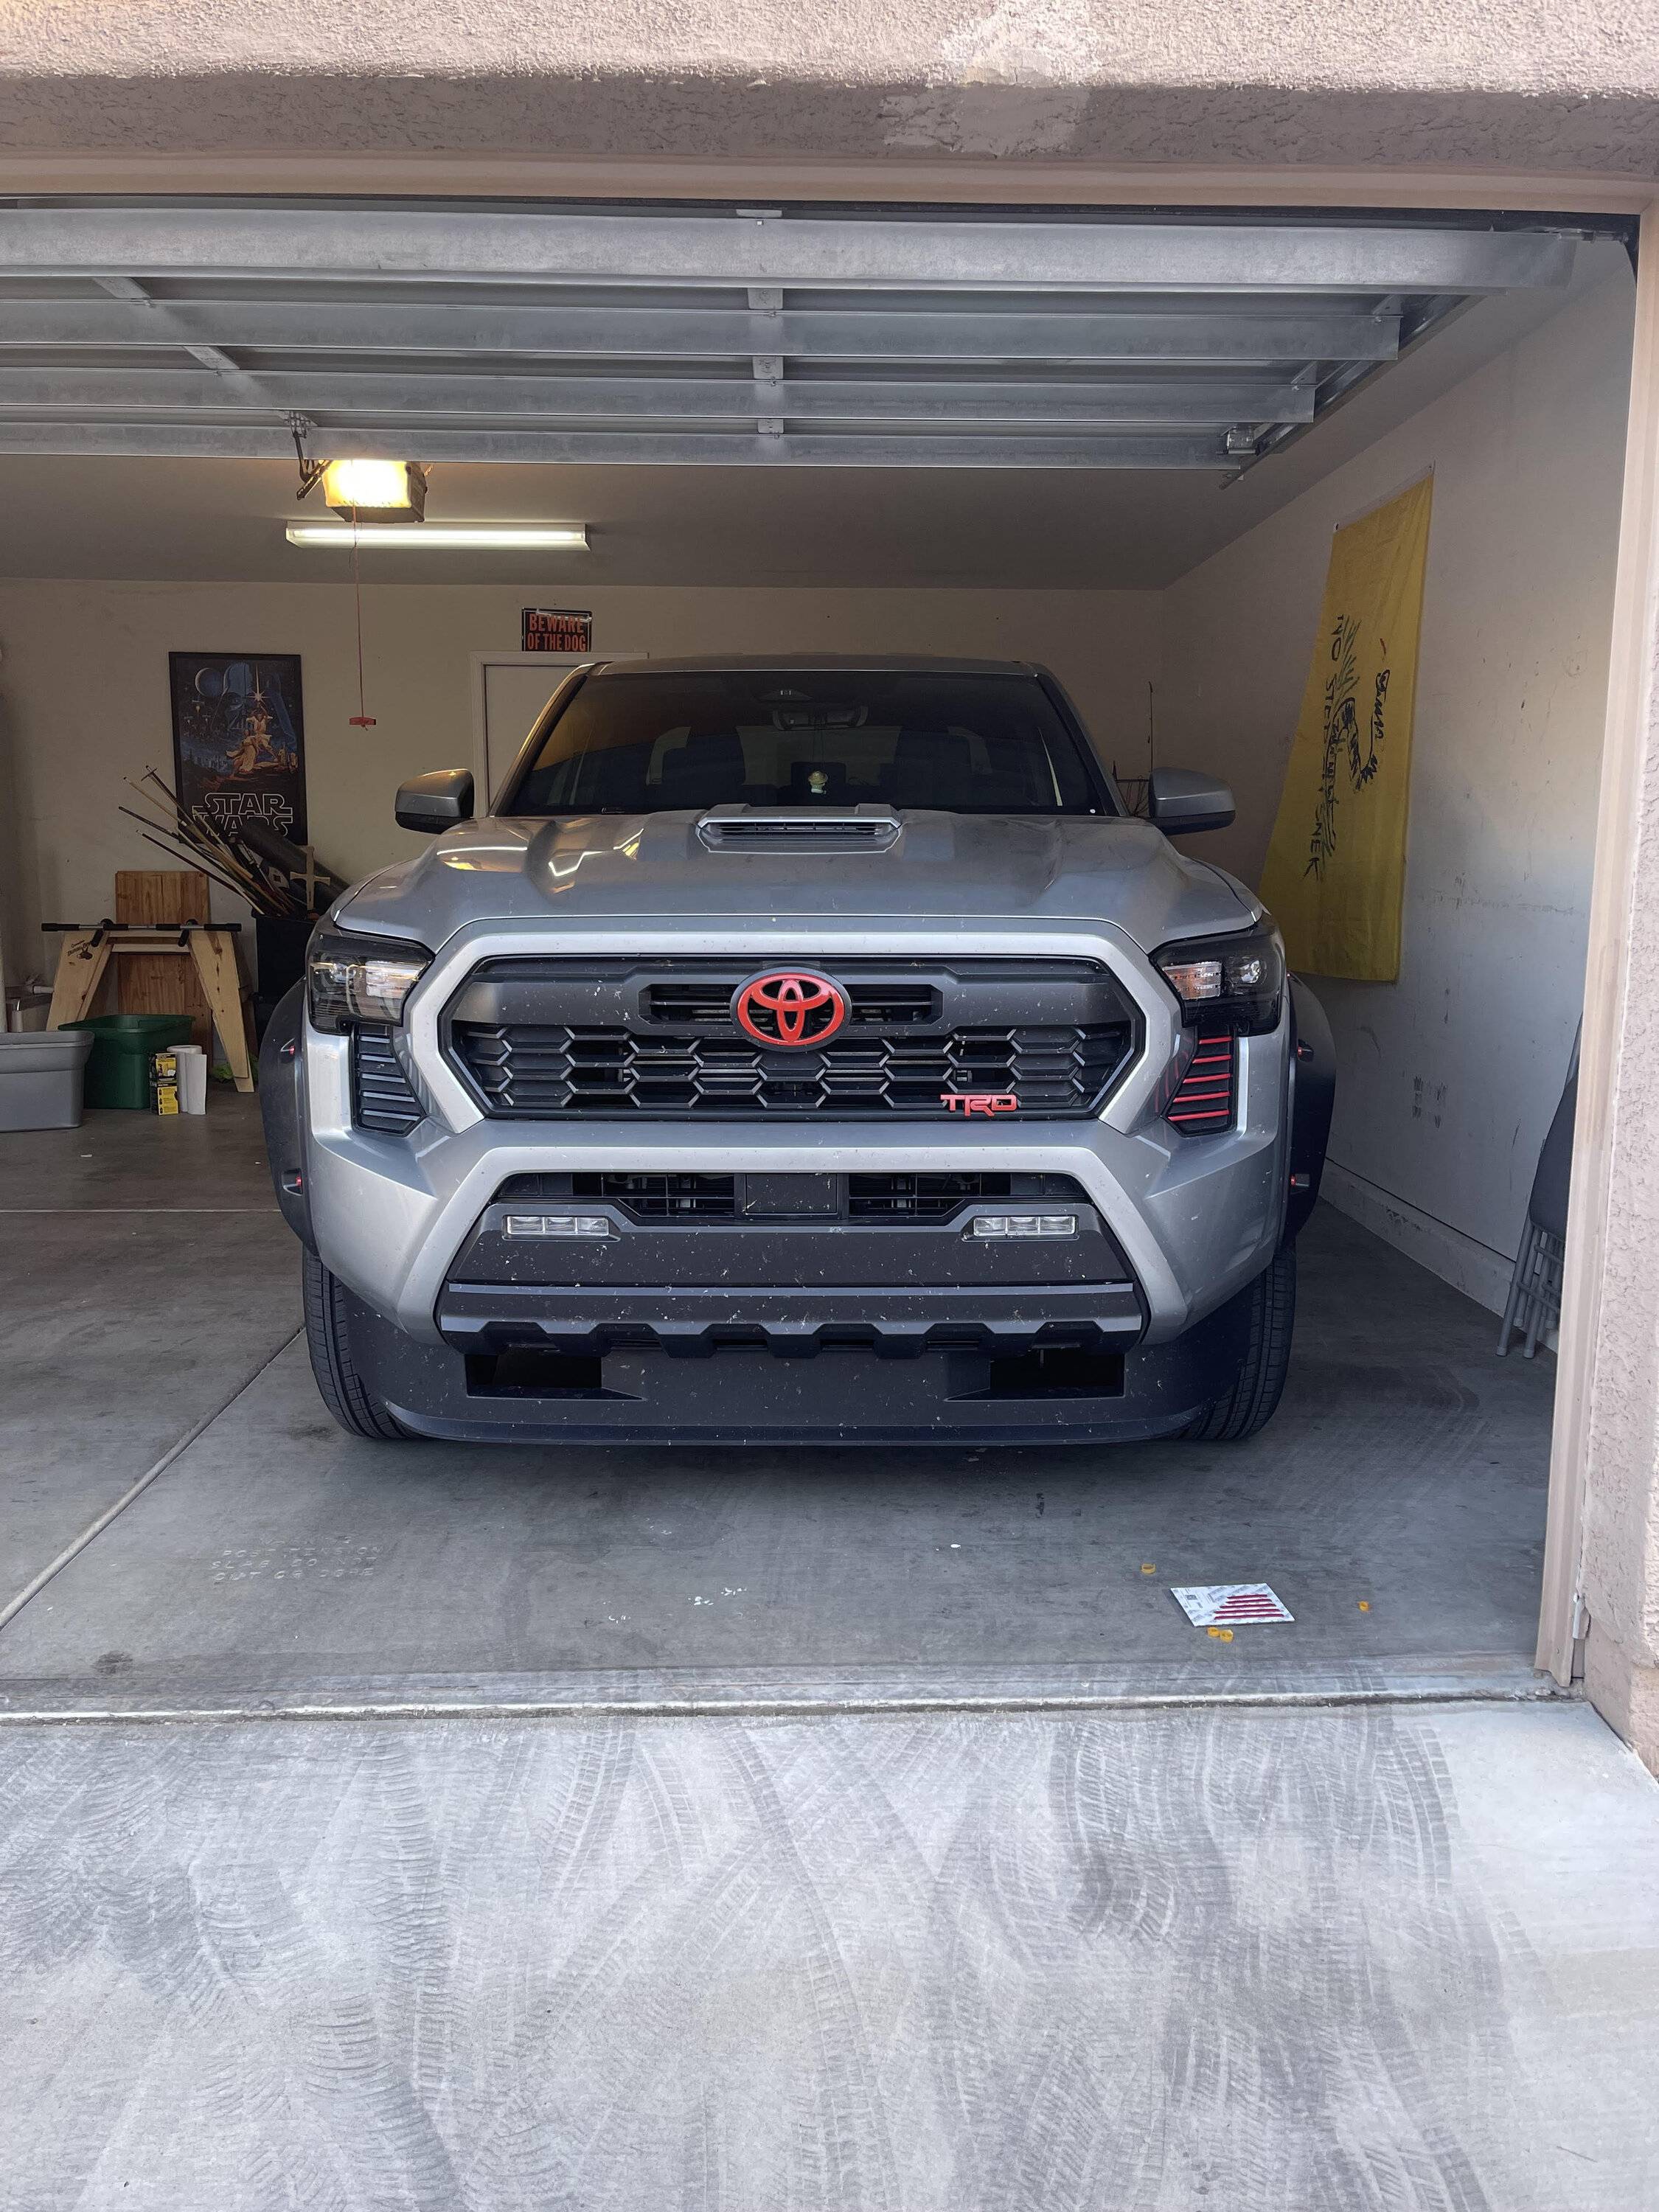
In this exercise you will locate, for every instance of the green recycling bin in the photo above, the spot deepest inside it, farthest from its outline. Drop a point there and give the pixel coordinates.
(118, 1073)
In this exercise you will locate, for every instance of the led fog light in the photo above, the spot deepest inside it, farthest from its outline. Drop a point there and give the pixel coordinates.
(556, 1225)
(1024, 1225)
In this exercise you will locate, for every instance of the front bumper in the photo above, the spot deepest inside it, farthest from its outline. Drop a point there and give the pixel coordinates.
(840, 1395)
(1194, 1218)
(490, 1317)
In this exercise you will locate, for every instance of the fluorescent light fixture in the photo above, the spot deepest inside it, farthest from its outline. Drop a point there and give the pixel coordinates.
(375, 491)
(507, 537)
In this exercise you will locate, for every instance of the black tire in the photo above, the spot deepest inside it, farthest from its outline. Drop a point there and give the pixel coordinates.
(359, 1409)
(1267, 1314)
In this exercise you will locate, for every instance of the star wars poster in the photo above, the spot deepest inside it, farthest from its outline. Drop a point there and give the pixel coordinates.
(238, 749)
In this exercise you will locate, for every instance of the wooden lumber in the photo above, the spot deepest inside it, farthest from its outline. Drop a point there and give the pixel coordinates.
(153, 983)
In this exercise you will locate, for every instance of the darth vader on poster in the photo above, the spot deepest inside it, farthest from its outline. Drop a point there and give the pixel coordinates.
(238, 749)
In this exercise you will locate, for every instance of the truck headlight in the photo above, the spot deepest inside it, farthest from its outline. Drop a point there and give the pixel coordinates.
(1228, 982)
(360, 979)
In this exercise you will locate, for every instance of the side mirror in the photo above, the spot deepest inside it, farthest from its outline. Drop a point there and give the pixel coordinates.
(1182, 799)
(436, 802)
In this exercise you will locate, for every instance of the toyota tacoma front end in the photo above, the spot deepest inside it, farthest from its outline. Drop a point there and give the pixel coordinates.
(802, 1050)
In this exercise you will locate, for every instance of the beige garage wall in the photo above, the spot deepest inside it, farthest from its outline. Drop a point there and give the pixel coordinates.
(83, 693)
(1448, 1078)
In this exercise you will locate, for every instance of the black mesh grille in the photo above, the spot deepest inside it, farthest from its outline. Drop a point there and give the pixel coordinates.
(893, 1197)
(708, 1005)
(934, 1197)
(662, 1197)
(380, 1096)
(656, 1037)
(531, 1070)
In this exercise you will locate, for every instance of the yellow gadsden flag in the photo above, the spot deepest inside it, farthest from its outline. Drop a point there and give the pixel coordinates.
(1336, 867)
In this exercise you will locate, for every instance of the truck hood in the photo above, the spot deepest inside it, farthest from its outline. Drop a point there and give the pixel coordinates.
(592, 869)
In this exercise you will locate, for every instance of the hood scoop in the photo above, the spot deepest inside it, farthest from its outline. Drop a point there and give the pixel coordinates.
(736, 829)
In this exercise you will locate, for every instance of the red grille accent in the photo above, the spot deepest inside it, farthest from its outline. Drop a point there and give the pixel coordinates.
(1208, 1098)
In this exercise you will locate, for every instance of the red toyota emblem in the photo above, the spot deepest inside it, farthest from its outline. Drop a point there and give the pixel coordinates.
(790, 1007)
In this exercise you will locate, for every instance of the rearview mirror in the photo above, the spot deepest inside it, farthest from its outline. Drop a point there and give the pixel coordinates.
(436, 802)
(1182, 799)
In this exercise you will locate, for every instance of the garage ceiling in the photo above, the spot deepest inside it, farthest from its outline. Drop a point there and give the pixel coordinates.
(472, 333)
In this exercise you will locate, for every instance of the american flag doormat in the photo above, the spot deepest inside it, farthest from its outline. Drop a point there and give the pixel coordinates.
(1224, 1605)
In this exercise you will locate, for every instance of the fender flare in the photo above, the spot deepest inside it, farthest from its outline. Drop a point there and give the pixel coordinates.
(1313, 1097)
(282, 1108)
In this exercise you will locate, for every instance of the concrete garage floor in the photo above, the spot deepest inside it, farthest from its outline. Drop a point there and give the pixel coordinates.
(277, 1558)
(805, 1831)
(145, 1277)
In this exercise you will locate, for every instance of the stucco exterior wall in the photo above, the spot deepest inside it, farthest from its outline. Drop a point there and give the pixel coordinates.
(1619, 1569)
(1439, 82)
(1607, 1432)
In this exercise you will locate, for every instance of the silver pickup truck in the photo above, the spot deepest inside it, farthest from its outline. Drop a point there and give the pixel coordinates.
(804, 1049)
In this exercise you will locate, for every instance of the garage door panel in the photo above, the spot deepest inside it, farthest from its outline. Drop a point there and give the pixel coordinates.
(772, 337)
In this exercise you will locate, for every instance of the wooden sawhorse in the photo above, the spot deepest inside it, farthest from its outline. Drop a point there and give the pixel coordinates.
(87, 952)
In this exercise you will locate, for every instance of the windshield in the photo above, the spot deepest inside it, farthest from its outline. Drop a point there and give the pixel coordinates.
(639, 743)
